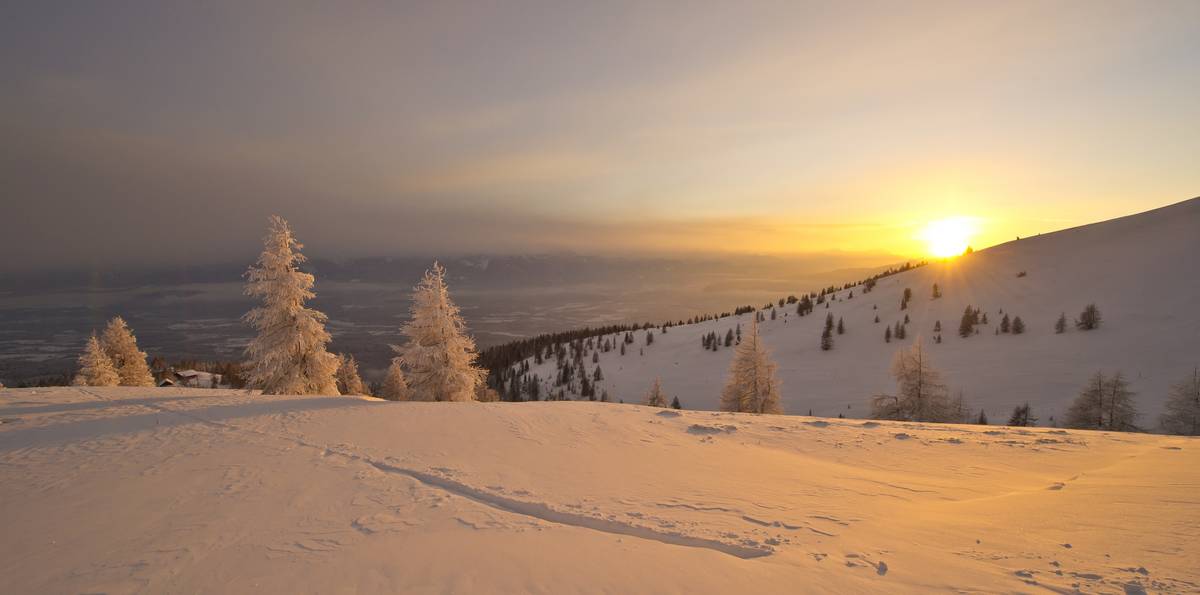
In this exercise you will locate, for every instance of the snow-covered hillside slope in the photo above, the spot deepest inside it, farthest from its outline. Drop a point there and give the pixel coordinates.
(209, 491)
(1142, 271)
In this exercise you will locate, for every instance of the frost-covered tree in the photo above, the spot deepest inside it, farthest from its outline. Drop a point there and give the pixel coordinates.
(921, 396)
(288, 356)
(394, 387)
(348, 380)
(655, 398)
(121, 347)
(439, 356)
(1183, 407)
(1104, 404)
(675, 404)
(1060, 325)
(752, 386)
(95, 367)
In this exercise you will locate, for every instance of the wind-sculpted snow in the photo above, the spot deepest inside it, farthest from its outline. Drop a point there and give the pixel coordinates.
(176, 490)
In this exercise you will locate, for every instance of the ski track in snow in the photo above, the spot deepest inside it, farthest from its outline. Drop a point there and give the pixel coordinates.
(537, 510)
(816, 503)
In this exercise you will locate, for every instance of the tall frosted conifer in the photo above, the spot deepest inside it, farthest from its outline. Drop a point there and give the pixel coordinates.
(752, 386)
(122, 349)
(95, 368)
(439, 356)
(288, 356)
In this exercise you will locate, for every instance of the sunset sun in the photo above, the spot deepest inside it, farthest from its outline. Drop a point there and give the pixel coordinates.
(948, 237)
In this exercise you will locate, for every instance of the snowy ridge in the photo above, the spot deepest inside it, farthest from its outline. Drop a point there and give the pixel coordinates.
(220, 490)
(1140, 270)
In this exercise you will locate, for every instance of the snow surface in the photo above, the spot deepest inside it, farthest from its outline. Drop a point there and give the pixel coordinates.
(1142, 271)
(187, 490)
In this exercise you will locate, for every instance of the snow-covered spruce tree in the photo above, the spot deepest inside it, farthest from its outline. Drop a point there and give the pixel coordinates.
(1104, 404)
(1060, 325)
(752, 386)
(395, 387)
(966, 327)
(348, 380)
(121, 347)
(921, 394)
(655, 398)
(288, 356)
(1183, 407)
(439, 356)
(1018, 326)
(95, 368)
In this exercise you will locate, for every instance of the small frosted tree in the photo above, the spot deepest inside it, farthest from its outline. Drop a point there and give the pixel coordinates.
(121, 347)
(752, 386)
(348, 380)
(921, 394)
(439, 355)
(656, 398)
(288, 356)
(95, 367)
(395, 387)
(1183, 407)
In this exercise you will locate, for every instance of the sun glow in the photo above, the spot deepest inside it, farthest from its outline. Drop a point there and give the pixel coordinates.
(949, 237)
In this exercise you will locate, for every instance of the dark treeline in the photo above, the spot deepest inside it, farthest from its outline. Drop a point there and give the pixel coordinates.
(499, 359)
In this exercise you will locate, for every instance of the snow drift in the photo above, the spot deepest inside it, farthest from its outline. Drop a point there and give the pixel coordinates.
(188, 490)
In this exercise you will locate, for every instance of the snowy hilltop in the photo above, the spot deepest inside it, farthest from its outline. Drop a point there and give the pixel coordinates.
(157, 490)
(1005, 326)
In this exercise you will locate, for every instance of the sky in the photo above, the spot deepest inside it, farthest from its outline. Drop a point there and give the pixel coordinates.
(166, 132)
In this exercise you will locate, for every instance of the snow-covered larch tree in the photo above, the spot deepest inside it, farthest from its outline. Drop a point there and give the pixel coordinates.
(395, 387)
(348, 380)
(752, 386)
(1183, 407)
(439, 355)
(95, 367)
(122, 349)
(921, 394)
(656, 398)
(288, 356)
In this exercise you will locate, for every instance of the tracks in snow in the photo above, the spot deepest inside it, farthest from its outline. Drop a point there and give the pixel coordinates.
(534, 509)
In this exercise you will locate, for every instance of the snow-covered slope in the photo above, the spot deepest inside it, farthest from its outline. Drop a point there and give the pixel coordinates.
(210, 491)
(1142, 271)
